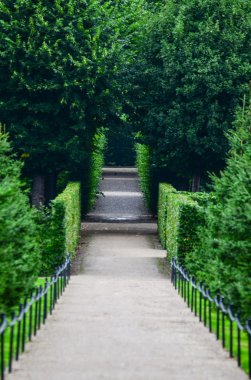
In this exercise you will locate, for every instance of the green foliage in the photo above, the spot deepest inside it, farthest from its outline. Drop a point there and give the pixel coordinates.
(203, 199)
(60, 67)
(180, 216)
(69, 202)
(222, 258)
(183, 217)
(19, 249)
(60, 228)
(120, 146)
(193, 69)
(164, 189)
(93, 176)
(143, 165)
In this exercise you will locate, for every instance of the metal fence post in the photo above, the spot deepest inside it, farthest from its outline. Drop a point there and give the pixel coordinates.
(12, 326)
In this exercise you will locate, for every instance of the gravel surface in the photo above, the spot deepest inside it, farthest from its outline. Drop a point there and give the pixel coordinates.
(120, 198)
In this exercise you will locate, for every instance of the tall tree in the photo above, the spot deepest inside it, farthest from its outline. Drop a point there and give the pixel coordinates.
(58, 71)
(195, 65)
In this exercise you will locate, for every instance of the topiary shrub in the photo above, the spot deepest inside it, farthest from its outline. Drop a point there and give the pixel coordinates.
(164, 189)
(60, 228)
(19, 248)
(180, 216)
(183, 216)
(68, 204)
(93, 173)
(97, 163)
(143, 164)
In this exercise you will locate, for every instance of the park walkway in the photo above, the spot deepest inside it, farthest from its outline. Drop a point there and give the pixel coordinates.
(120, 318)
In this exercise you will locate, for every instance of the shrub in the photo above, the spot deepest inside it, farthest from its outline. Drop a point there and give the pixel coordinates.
(143, 164)
(19, 248)
(60, 228)
(183, 217)
(92, 176)
(202, 198)
(180, 216)
(222, 258)
(97, 163)
(164, 189)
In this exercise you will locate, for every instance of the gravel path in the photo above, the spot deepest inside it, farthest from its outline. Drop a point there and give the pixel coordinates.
(120, 198)
(120, 318)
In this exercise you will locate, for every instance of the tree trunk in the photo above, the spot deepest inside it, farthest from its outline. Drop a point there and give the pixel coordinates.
(38, 191)
(196, 183)
(51, 187)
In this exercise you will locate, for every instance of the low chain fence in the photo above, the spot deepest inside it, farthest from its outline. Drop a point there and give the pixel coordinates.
(218, 316)
(18, 329)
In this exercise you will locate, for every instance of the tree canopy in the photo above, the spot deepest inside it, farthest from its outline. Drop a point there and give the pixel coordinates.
(58, 70)
(194, 67)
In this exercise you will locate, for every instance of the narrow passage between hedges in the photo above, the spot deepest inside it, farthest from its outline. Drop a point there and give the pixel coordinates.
(120, 317)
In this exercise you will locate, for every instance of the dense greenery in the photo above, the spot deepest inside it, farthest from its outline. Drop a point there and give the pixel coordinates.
(164, 189)
(59, 69)
(19, 253)
(120, 146)
(60, 228)
(144, 170)
(194, 67)
(92, 178)
(223, 254)
(179, 219)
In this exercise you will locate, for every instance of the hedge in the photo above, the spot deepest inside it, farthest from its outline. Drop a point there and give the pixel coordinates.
(92, 176)
(60, 228)
(183, 217)
(69, 202)
(180, 215)
(164, 189)
(143, 164)
(203, 199)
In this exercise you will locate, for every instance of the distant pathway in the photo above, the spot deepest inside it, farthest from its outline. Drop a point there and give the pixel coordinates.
(120, 318)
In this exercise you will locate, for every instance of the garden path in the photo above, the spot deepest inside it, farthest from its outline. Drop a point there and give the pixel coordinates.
(120, 318)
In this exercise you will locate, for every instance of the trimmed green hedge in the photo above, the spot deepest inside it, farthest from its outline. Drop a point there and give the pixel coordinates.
(60, 228)
(143, 164)
(91, 177)
(180, 215)
(97, 163)
(164, 189)
(69, 202)
(183, 217)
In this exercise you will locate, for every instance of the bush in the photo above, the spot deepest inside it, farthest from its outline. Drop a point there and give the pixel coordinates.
(60, 228)
(180, 216)
(19, 252)
(183, 217)
(164, 189)
(90, 182)
(143, 163)
(222, 258)
(202, 198)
